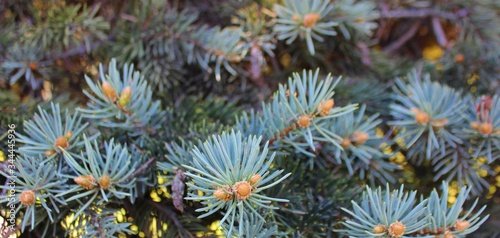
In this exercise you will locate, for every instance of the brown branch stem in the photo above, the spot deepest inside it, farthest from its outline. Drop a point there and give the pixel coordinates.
(387, 136)
(404, 38)
(11, 231)
(143, 166)
(171, 214)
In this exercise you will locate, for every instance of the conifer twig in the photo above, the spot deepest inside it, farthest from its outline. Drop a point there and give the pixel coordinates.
(288, 130)
(282, 133)
(421, 13)
(439, 32)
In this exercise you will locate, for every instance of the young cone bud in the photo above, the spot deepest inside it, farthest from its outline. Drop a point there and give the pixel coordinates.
(448, 235)
(125, 96)
(304, 121)
(346, 142)
(422, 118)
(86, 181)
(461, 224)
(223, 195)
(27, 197)
(33, 65)
(61, 142)
(108, 91)
(439, 123)
(360, 20)
(68, 135)
(49, 153)
(104, 182)
(310, 19)
(379, 229)
(243, 190)
(415, 110)
(360, 137)
(397, 229)
(459, 58)
(325, 107)
(475, 125)
(254, 179)
(287, 94)
(486, 128)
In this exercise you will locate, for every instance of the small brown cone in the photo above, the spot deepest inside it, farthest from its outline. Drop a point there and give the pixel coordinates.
(422, 118)
(379, 229)
(178, 187)
(222, 195)
(486, 128)
(104, 182)
(461, 224)
(61, 142)
(310, 19)
(360, 137)
(304, 121)
(108, 91)
(255, 179)
(242, 189)
(86, 181)
(346, 142)
(459, 58)
(325, 107)
(125, 96)
(27, 197)
(33, 65)
(397, 229)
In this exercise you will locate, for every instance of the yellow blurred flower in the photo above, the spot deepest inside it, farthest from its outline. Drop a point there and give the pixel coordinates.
(432, 53)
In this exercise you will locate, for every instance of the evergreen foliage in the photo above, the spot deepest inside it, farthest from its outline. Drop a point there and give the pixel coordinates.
(179, 118)
(397, 214)
(133, 109)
